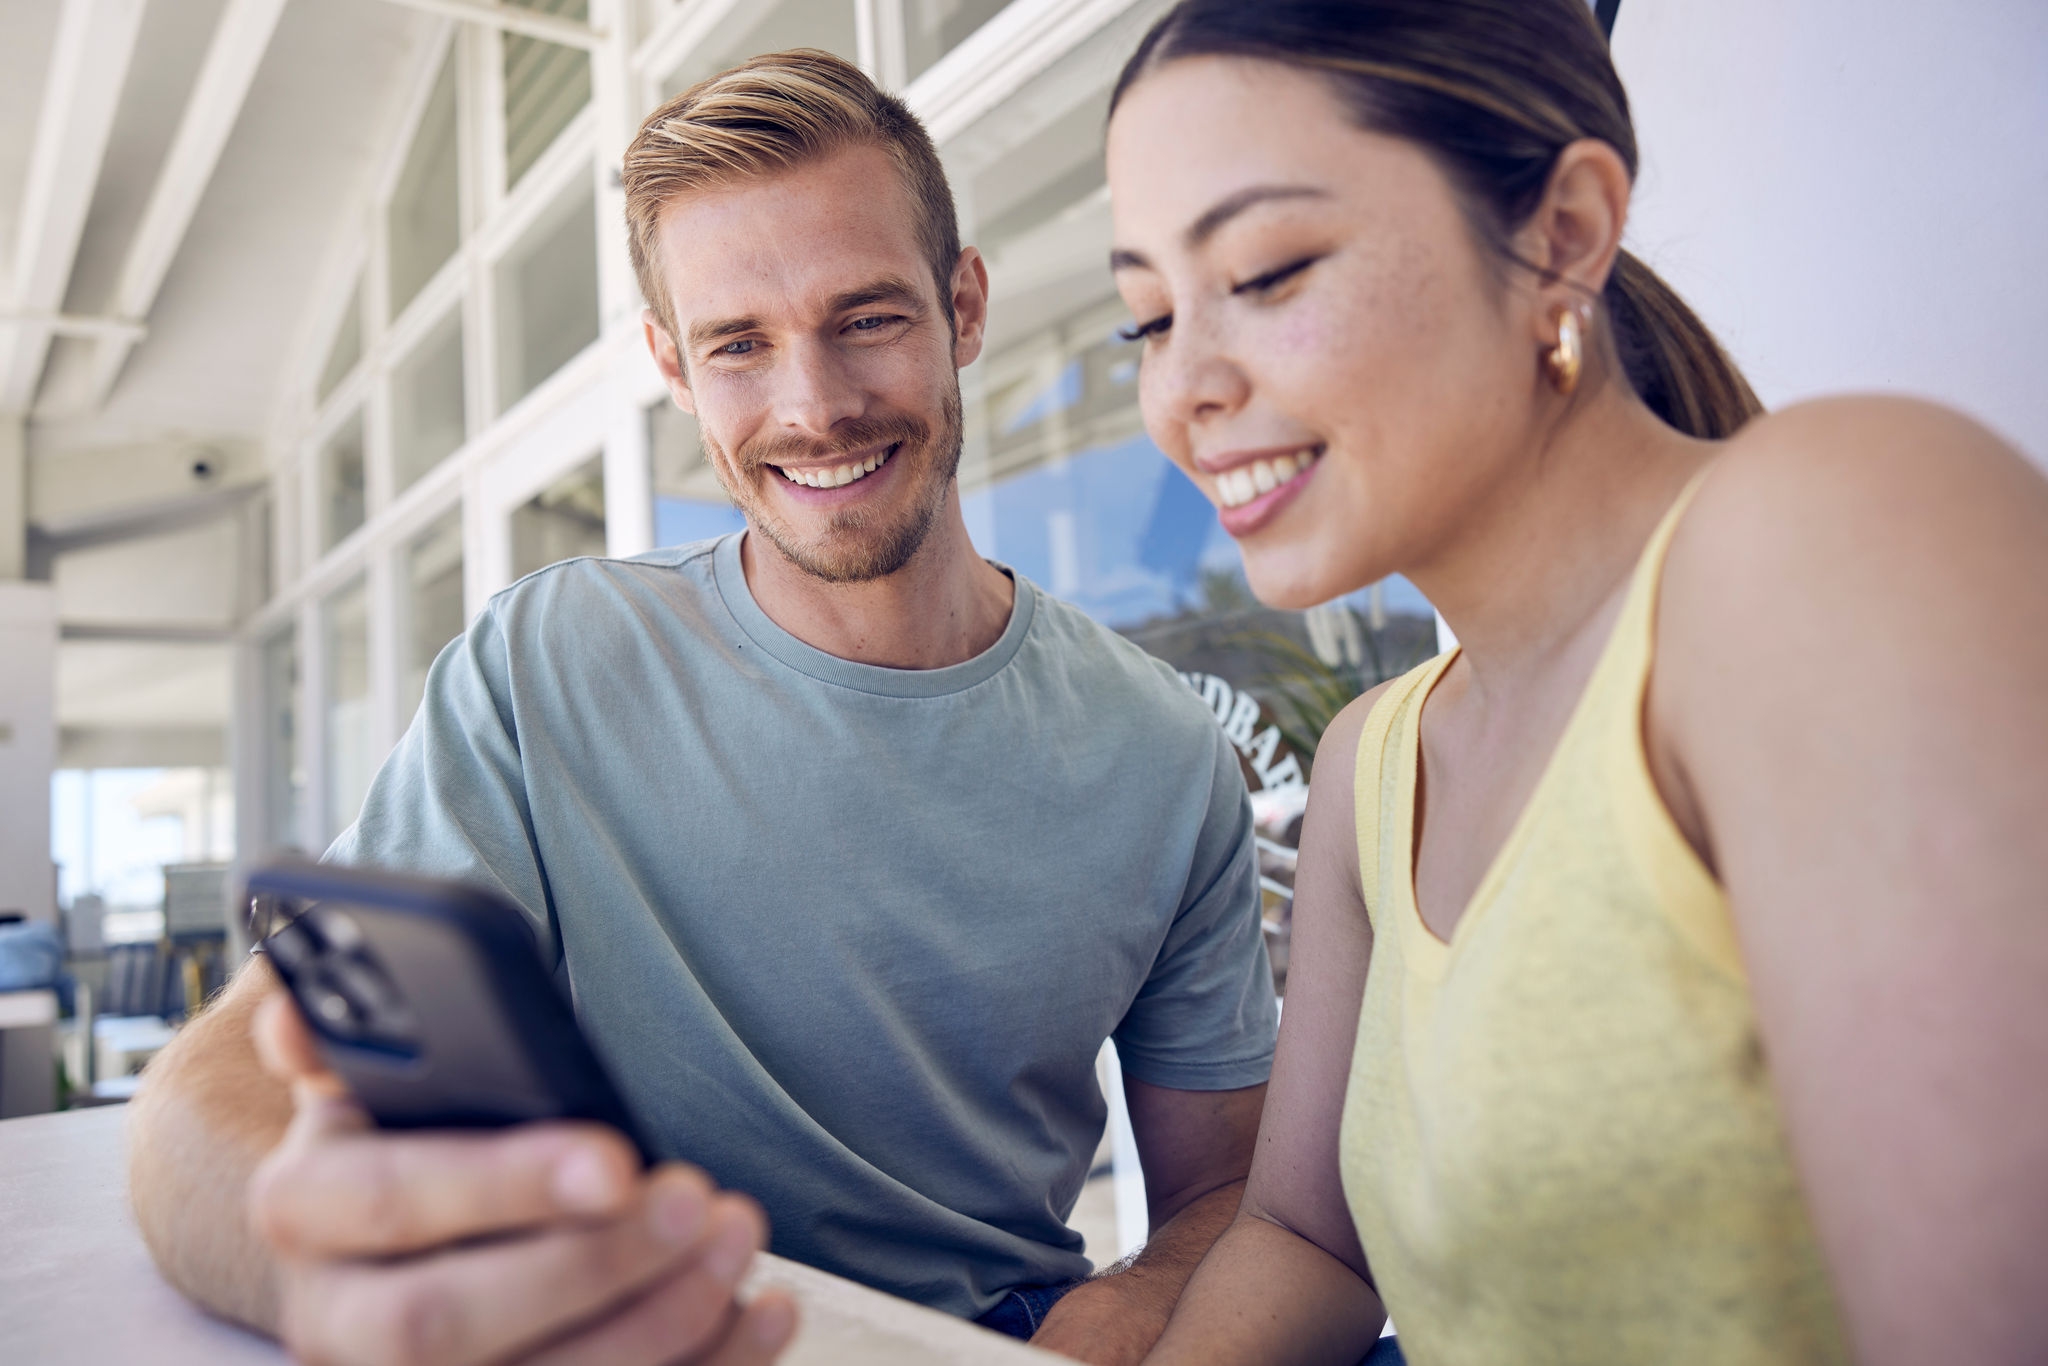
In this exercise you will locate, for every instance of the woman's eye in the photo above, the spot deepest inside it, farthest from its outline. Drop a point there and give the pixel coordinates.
(1140, 331)
(1273, 278)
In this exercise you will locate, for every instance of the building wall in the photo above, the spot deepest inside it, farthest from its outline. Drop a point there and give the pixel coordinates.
(1852, 192)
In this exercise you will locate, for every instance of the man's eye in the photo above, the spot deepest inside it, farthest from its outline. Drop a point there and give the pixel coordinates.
(1140, 331)
(738, 348)
(870, 324)
(1272, 279)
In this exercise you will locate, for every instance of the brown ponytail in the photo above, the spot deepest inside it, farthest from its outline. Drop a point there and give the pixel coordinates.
(1671, 359)
(1494, 90)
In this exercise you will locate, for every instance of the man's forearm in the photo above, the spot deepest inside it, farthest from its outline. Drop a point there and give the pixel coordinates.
(1120, 1313)
(205, 1116)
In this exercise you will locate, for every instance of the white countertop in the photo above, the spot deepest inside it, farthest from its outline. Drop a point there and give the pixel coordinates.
(77, 1286)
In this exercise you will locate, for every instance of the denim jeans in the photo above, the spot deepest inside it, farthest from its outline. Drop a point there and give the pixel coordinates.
(1021, 1311)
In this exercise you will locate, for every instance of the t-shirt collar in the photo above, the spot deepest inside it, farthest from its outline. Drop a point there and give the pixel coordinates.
(731, 581)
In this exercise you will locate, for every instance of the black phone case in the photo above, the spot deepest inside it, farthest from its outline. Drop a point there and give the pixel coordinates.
(428, 998)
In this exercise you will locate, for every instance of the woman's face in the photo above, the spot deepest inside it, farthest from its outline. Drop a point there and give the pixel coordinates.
(1329, 353)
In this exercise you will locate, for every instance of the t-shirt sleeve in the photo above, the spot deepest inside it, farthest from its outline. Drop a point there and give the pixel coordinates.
(451, 800)
(1206, 1016)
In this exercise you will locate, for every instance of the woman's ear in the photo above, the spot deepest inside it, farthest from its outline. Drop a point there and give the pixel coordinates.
(1575, 233)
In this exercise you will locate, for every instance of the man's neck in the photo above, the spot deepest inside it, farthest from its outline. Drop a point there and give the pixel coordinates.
(944, 607)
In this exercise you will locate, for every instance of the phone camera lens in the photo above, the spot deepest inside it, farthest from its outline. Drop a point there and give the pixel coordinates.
(341, 932)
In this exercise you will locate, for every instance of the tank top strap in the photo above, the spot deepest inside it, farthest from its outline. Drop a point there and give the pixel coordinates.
(1638, 621)
(1379, 780)
(1684, 889)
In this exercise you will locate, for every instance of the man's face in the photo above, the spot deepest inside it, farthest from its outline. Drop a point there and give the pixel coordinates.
(815, 352)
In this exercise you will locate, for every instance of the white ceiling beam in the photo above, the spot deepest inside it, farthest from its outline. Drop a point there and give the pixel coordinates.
(71, 324)
(239, 42)
(530, 23)
(88, 66)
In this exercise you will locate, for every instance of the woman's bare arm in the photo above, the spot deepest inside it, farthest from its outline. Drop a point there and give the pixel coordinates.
(1851, 700)
(1288, 1282)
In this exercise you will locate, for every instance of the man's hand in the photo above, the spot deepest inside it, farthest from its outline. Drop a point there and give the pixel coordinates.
(543, 1243)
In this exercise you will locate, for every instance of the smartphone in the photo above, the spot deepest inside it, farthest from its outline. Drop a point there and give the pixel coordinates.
(430, 1000)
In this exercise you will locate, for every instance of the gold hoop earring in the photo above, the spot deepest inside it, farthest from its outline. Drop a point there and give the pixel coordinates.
(1565, 359)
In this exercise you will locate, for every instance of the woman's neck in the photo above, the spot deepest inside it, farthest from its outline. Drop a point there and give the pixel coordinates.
(1536, 560)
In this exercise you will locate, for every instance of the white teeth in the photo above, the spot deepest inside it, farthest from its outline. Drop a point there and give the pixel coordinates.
(1235, 488)
(839, 475)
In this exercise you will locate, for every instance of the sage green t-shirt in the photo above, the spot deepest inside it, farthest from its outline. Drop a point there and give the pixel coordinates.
(850, 937)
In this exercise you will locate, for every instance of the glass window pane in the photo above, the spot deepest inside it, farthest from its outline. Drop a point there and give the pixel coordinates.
(433, 602)
(759, 26)
(547, 297)
(341, 483)
(425, 216)
(347, 348)
(689, 503)
(349, 761)
(564, 520)
(284, 781)
(932, 28)
(545, 85)
(427, 413)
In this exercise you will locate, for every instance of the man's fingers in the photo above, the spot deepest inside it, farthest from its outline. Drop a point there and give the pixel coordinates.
(689, 1315)
(760, 1334)
(381, 1194)
(496, 1301)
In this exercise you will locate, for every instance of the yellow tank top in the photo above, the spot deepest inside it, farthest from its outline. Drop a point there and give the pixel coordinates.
(1559, 1142)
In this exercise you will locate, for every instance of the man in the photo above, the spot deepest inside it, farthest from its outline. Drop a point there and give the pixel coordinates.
(853, 848)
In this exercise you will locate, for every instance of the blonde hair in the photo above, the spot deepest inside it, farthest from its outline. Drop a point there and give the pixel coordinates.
(767, 115)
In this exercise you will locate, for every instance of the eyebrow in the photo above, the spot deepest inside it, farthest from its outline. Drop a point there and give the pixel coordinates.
(1211, 222)
(888, 289)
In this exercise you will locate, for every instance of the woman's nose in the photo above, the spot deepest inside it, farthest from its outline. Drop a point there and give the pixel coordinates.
(1193, 378)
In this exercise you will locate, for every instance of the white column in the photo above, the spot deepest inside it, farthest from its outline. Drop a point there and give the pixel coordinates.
(13, 497)
(1133, 1210)
(28, 746)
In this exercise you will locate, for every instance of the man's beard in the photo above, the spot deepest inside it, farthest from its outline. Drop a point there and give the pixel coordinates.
(858, 545)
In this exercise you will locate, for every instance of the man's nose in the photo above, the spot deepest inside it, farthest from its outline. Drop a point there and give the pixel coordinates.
(815, 392)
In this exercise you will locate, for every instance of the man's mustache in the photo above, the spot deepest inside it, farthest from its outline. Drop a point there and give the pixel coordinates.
(856, 434)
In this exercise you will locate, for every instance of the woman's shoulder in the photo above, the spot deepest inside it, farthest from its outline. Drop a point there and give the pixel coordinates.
(1846, 556)
(1861, 460)
(1802, 497)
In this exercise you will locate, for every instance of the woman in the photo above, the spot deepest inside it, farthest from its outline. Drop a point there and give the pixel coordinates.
(1670, 978)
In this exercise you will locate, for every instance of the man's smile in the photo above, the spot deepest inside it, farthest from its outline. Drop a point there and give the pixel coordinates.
(837, 476)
